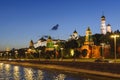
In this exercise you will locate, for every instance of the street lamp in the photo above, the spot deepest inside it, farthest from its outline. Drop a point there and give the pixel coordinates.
(16, 54)
(103, 46)
(26, 54)
(39, 54)
(115, 36)
(61, 53)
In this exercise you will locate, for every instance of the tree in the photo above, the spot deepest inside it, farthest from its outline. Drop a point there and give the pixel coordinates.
(97, 38)
(72, 44)
(12, 53)
(21, 53)
(80, 41)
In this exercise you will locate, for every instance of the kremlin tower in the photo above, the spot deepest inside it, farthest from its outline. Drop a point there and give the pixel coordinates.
(88, 37)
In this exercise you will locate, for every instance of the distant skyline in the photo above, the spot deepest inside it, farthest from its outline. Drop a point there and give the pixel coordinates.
(25, 20)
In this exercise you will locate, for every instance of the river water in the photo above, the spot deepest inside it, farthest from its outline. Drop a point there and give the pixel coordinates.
(12, 72)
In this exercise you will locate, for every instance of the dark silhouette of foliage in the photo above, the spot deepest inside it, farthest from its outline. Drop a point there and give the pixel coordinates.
(97, 39)
(71, 44)
(21, 53)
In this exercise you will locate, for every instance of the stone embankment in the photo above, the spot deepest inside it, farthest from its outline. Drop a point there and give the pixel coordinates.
(100, 69)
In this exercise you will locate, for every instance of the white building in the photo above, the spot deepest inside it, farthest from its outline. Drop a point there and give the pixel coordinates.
(104, 28)
(43, 42)
(74, 35)
(109, 28)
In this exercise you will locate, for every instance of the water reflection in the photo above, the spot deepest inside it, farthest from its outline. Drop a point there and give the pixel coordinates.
(30, 74)
(60, 77)
(10, 72)
(16, 73)
(40, 75)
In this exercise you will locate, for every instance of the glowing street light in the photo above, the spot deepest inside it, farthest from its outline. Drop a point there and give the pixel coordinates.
(115, 36)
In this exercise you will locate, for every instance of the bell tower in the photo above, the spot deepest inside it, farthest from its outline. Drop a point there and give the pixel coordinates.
(103, 25)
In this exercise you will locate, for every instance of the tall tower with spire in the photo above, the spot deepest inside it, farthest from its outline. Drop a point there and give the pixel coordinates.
(103, 25)
(88, 37)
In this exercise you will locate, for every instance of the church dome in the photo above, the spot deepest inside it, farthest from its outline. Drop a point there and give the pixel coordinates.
(108, 25)
(103, 17)
(75, 31)
(88, 29)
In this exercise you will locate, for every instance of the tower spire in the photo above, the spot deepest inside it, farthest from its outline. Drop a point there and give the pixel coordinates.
(102, 13)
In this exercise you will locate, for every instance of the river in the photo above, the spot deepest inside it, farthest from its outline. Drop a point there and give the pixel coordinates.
(12, 72)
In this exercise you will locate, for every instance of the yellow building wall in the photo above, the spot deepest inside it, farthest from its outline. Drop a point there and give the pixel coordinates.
(96, 52)
(92, 52)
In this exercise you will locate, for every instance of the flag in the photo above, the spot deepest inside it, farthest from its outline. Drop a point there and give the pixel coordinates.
(55, 27)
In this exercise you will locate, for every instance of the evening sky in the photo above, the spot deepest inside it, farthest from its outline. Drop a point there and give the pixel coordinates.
(23, 20)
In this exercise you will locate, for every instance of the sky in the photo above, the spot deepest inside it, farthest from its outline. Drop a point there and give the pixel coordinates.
(25, 20)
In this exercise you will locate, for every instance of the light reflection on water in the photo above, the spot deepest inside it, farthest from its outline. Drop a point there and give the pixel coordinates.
(10, 72)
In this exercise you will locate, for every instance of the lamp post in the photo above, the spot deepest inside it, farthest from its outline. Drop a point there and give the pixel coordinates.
(56, 48)
(61, 53)
(103, 46)
(26, 54)
(115, 36)
(16, 54)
